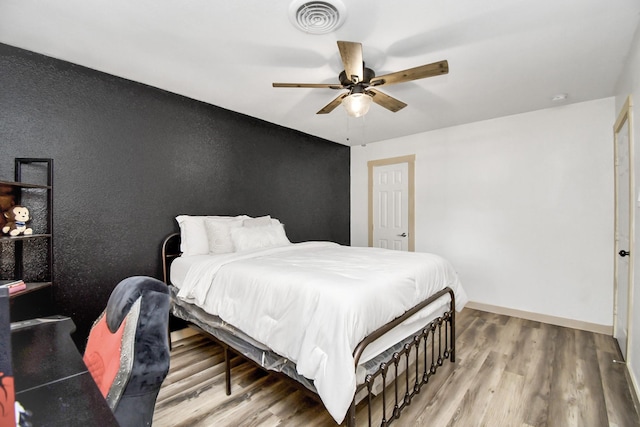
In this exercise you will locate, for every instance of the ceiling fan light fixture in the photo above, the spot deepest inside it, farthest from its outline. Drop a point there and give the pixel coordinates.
(357, 104)
(317, 17)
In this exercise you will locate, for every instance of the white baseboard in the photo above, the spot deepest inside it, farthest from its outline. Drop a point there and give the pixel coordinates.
(544, 318)
(634, 386)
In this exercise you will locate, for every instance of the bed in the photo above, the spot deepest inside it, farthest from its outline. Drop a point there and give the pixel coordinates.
(345, 323)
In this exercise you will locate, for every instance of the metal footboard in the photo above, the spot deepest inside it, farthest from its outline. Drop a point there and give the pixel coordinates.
(423, 353)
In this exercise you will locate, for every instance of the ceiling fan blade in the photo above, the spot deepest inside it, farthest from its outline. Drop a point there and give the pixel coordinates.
(333, 104)
(390, 103)
(421, 72)
(312, 85)
(351, 54)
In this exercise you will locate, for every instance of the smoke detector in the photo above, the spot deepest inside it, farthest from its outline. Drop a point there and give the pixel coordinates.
(317, 17)
(559, 97)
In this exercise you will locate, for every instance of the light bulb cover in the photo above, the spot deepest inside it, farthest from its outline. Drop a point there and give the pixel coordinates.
(357, 104)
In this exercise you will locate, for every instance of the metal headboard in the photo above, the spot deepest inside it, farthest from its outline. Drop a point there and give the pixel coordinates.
(170, 251)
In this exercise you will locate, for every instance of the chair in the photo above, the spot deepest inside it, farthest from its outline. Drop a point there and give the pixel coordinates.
(127, 350)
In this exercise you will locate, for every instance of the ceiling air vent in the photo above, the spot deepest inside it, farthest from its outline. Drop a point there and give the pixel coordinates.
(317, 17)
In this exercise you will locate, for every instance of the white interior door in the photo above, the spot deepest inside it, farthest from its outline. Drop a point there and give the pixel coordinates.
(624, 231)
(391, 206)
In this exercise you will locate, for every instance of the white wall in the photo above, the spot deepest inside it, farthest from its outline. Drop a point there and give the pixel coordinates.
(521, 205)
(629, 84)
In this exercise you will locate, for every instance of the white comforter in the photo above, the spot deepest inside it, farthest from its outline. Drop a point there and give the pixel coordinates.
(314, 302)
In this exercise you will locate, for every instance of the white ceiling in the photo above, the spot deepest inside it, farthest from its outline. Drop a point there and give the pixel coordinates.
(505, 56)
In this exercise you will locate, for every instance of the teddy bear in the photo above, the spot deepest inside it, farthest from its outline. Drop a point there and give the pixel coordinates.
(17, 217)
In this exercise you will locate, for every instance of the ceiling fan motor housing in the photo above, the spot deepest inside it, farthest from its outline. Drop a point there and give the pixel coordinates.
(366, 78)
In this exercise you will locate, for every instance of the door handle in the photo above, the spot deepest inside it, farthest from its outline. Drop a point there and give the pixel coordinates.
(402, 235)
(624, 253)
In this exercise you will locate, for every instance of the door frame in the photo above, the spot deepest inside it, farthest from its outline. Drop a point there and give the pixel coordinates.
(410, 160)
(624, 117)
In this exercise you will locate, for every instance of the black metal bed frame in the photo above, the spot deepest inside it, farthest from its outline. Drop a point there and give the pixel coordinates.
(413, 364)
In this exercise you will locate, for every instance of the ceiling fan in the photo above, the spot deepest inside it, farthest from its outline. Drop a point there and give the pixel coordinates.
(361, 82)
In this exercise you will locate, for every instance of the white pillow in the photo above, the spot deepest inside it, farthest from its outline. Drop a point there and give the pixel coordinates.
(193, 238)
(260, 221)
(218, 232)
(246, 238)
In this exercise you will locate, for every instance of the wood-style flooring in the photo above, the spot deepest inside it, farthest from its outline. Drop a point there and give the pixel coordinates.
(508, 372)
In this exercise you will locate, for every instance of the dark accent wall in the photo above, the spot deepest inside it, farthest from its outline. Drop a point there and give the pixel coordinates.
(128, 158)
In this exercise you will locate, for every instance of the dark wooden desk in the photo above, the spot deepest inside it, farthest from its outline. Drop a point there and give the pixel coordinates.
(51, 380)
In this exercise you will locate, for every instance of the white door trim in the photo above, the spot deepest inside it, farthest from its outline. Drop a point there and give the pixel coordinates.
(624, 117)
(410, 160)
